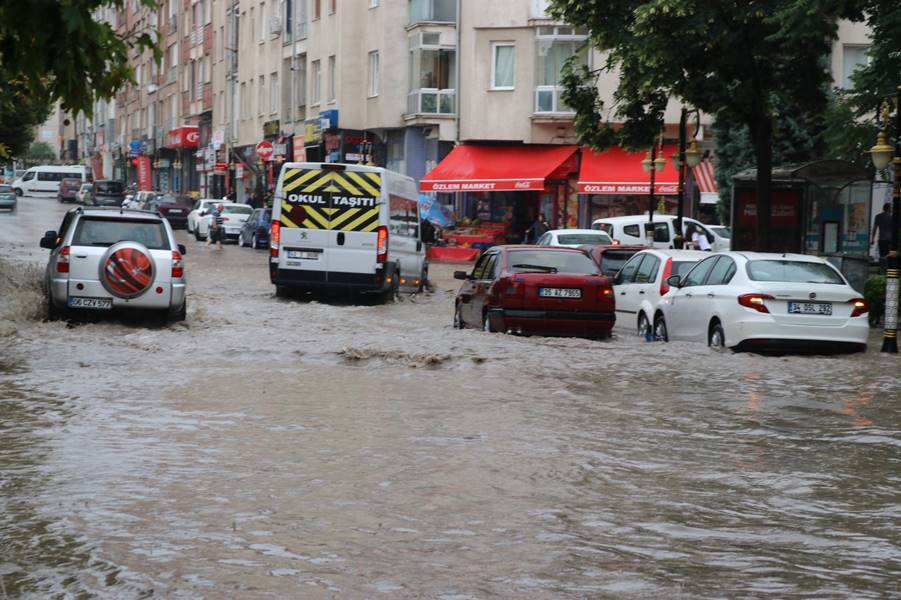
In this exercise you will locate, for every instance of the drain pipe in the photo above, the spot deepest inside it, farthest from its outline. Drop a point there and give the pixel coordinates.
(459, 95)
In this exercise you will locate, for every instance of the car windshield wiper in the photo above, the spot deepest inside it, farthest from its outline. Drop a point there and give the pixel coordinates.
(542, 268)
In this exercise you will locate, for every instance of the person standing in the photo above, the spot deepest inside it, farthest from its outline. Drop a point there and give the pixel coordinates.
(883, 223)
(537, 229)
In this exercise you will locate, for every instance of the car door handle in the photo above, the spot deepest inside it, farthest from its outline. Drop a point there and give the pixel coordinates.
(710, 295)
(688, 295)
(622, 293)
(641, 292)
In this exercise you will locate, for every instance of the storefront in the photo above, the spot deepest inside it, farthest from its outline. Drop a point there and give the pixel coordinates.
(184, 141)
(509, 184)
(614, 184)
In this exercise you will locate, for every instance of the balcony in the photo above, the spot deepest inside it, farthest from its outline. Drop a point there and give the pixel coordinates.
(427, 101)
(548, 101)
(433, 11)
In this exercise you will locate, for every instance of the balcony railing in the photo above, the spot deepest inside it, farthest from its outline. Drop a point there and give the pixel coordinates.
(547, 100)
(428, 101)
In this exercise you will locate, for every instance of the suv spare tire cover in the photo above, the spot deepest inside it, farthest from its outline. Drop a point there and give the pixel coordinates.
(127, 269)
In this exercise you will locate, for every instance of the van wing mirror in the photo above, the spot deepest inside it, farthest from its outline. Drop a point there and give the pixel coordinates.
(674, 281)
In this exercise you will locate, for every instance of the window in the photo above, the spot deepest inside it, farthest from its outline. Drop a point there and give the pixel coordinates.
(403, 217)
(503, 65)
(613, 260)
(793, 272)
(242, 100)
(332, 6)
(301, 81)
(288, 17)
(373, 73)
(433, 75)
(434, 11)
(632, 231)
(332, 73)
(106, 232)
(661, 232)
(852, 58)
(478, 272)
(263, 22)
(647, 272)
(555, 46)
(274, 93)
(261, 96)
(373, 3)
(302, 18)
(221, 47)
(697, 275)
(317, 9)
(627, 275)
(722, 273)
(253, 25)
(316, 89)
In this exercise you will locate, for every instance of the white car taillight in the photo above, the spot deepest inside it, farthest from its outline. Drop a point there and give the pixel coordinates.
(178, 269)
(62, 261)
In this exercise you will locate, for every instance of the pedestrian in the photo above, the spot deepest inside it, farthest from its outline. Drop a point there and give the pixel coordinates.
(698, 239)
(883, 223)
(217, 226)
(537, 229)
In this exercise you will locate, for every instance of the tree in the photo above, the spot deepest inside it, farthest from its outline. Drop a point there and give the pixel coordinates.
(59, 51)
(40, 153)
(21, 111)
(729, 59)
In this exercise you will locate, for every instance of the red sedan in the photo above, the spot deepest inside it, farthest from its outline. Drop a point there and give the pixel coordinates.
(529, 289)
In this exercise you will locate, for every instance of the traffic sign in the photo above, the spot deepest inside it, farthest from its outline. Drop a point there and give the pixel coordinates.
(264, 150)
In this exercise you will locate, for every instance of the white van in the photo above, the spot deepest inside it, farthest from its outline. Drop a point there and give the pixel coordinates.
(345, 227)
(631, 230)
(44, 180)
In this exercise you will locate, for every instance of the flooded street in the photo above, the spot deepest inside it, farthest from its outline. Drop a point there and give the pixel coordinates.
(270, 448)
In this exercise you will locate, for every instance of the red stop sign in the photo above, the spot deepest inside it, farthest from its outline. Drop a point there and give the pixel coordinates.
(264, 150)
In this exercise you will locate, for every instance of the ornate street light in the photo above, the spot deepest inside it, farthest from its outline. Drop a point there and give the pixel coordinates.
(882, 154)
(685, 158)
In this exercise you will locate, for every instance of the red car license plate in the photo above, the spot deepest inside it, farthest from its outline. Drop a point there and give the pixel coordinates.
(560, 292)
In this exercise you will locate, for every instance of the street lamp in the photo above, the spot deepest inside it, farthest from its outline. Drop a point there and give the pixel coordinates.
(882, 154)
(652, 164)
(690, 158)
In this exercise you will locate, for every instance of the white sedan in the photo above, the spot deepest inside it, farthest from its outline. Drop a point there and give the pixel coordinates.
(764, 301)
(201, 205)
(574, 238)
(234, 216)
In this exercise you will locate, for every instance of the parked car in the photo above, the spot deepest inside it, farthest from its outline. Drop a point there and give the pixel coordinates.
(140, 200)
(234, 216)
(174, 209)
(631, 230)
(103, 259)
(7, 197)
(611, 258)
(68, 187)
(573, 238)
(528, 289)
(764, 301)
(200, 205)
(107, 192)
(255, 230)
(83, 195)
(642, 282)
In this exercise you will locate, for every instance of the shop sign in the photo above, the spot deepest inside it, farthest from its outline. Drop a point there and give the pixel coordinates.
(134, 148)
(183, 137)
(329, 118)
(300, 149)
(279, 149)
(239, 171)
(143, 167)
(264, 150)
(271, 128)
(220, 166)
(350, 157)
(332, 142)
(312, 131)
(218, 138)
(627, 188)
(164, 163)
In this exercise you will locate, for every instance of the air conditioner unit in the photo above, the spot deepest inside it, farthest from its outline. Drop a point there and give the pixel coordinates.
(275, 25)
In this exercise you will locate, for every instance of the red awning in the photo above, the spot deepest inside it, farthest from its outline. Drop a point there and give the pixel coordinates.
(473, 168)
(704, 176)
(617, 172)
(183, 137)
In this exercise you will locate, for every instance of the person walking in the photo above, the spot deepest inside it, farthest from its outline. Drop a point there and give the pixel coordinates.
(883, 223)
(537, 229)
(217, 227)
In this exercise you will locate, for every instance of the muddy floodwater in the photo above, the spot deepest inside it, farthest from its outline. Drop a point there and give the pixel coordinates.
(270, 448)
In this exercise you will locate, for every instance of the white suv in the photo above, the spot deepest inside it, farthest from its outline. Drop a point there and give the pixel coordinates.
(105, 259)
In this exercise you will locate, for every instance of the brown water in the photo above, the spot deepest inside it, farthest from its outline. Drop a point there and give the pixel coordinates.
(270, 448)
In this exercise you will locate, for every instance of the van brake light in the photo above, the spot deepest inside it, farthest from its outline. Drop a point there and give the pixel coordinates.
(382, 246)
(275, 239)
(62, 261)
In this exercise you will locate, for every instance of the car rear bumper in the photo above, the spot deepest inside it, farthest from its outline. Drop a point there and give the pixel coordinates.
(552, 321)
(177, 221)
(171, 294)
(7, 203)
(766, 334)
(326, 281)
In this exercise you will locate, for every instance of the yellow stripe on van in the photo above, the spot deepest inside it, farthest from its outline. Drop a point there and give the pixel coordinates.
(360, 224)
(363, 184)
(318, 217)
(294, 183)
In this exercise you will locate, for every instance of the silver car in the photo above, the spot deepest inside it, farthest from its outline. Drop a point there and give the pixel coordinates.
(103, 259)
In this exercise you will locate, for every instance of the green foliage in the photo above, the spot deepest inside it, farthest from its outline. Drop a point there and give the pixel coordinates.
(21, 111)
(874, 292)
(58, 51)
(845, 136)
(40, 152)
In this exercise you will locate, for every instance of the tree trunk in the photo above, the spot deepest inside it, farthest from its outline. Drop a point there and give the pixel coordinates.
(762, 138)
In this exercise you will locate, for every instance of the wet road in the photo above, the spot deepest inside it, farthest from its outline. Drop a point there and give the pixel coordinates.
(272, 448)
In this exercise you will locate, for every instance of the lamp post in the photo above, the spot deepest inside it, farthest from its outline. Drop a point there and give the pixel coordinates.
(685, 158)
(882, 155)
(652, 164)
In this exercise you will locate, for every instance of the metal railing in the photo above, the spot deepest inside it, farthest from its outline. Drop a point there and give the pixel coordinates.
(429, 101)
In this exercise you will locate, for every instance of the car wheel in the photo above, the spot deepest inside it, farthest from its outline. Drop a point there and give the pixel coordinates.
(716, 338)
(197, 235)
(644, 328)
(18, 192)
(660, 333)
(178, 314)
(188, 227)
(391, 294)
(458, 317)
(486, 323)
(254, 242)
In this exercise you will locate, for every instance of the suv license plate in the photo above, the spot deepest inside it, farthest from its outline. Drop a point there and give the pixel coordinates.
(560, 292)
(95, 303)
(810, 308)
(303, 255)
